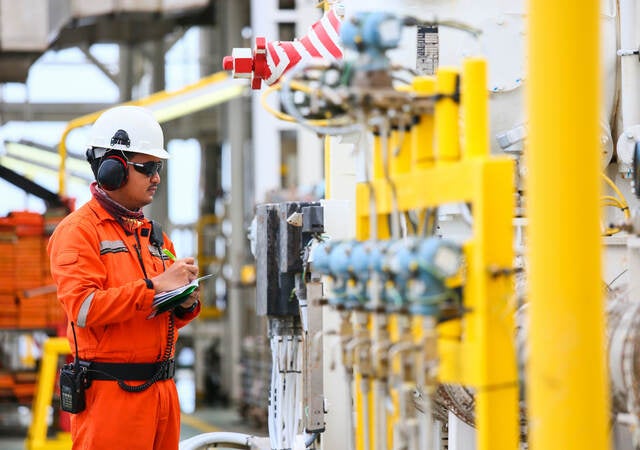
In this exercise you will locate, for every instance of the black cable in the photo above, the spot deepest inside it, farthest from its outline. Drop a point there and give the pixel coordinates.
(138, 252)
(163, 365)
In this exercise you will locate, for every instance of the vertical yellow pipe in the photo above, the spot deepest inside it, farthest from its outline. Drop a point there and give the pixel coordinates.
(446, 116)
(489, 357)
(566, 376)
(394, 367)
(449, 356)
(475, 108)
(62, 146)
(327, 167)
(422, 135)
(400, 151)
(326, 6)
(378, 173)
(378, 158)
(37, 435)
(362, 395)
(62, 170)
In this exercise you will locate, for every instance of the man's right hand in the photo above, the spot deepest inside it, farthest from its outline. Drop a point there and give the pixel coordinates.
(182, 271)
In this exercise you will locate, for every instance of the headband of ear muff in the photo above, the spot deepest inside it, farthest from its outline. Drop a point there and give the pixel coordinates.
(93, 161)
(112, 172)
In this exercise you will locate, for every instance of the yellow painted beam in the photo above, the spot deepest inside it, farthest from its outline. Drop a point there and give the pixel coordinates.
(567, 392)
(428, 187)
(450, 352)
(327, 167)
(489, 361)
(446, 115)
(422, 136)
(475, 108)
(37, 434)
(400, 152)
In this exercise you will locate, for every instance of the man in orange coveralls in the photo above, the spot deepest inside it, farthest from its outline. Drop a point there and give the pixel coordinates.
(108, 262)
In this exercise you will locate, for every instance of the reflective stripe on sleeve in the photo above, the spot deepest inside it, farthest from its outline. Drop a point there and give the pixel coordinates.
(84, 310)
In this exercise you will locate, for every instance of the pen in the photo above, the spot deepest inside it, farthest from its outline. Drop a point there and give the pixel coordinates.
(167, 252)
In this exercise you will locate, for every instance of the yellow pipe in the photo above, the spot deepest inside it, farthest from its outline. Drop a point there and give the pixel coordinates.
(378, 158)
(475, 108)
(446, 116)
(422, 135)
(363, 209)
(394, 367)
(400, 151)
(327, 167)
(449, 351)
(361, 382)
(62, 147)
(37, 435)
(360, 402)
(567, 392)
(489, 357)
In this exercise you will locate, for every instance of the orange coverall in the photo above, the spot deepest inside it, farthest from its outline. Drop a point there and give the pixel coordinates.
(98, 269)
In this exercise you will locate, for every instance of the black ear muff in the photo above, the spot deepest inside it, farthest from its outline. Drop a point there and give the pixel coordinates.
(112, 172)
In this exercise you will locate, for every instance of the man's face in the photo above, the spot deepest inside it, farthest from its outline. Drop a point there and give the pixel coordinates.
(142, 183)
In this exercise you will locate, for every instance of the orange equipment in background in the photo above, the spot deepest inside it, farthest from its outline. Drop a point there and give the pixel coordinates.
(29, 309)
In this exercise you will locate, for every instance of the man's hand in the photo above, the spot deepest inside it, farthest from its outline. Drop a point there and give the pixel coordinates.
(191, 299)
(182, 271)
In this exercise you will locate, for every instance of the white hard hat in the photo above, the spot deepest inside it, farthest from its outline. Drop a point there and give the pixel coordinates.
(129, 129)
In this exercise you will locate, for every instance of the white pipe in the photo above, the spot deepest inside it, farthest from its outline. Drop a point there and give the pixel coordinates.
(275, 403)
(425, 426)
(217, 437)
(630, 64)
(381, 413)
(414, 433)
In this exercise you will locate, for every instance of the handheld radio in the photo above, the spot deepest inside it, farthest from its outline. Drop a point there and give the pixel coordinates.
(73, 382)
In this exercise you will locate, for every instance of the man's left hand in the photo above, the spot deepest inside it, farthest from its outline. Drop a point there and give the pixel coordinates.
(191, 299)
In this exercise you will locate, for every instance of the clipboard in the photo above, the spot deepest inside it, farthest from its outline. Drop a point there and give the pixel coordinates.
(164, 301)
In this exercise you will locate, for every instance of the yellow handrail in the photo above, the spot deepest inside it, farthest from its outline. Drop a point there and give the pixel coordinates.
(37, 434)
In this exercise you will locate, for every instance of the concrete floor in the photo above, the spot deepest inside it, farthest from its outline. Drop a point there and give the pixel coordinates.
(204, 420)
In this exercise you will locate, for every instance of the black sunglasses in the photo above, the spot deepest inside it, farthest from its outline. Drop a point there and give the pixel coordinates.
(149, 168)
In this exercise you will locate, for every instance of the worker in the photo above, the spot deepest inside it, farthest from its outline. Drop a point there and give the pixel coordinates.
(109, 261)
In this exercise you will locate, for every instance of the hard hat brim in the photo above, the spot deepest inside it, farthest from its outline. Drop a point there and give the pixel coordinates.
(158, 153)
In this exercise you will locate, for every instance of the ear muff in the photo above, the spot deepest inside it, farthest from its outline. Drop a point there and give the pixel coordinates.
(112, 172)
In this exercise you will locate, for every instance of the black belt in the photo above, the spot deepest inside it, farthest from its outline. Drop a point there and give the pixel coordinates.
(129, 371)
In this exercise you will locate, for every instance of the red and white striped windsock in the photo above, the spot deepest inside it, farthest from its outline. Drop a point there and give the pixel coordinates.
(269, 61)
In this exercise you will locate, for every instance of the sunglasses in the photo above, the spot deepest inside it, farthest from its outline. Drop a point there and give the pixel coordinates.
(149, 168)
